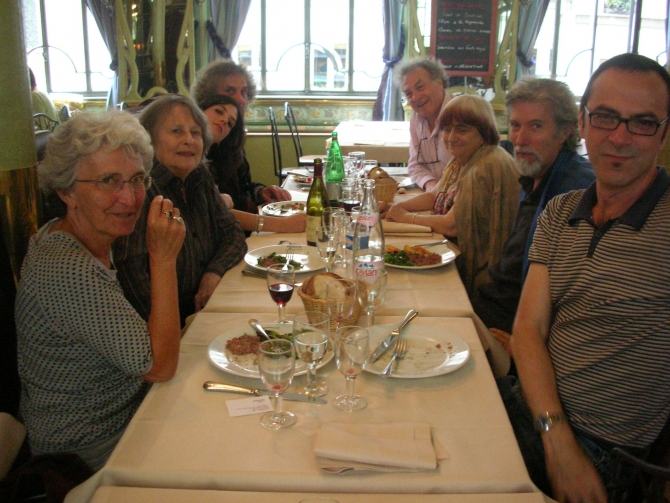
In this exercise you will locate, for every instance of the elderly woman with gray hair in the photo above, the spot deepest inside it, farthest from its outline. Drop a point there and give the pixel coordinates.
(214, 241)
(85, 356)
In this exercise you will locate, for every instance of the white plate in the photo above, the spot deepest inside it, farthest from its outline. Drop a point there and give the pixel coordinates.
(308, 256)
(448, 256)
(283, 208)
(246, 365)
(424, 358)
(303, 181)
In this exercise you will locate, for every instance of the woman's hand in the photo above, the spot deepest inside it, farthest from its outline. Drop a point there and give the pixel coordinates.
(397, 214)
(208, 284)
(383, 208)
(165, 234)
(294, 223)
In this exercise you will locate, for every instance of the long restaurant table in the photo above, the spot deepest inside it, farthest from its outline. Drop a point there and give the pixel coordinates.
(183, 438)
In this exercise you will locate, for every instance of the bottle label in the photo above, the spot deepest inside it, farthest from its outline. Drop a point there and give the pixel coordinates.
(368, 218)
(310, 228)
(367, 268)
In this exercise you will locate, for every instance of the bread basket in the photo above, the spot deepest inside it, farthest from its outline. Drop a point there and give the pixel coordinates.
(313, 303)
(385, 189)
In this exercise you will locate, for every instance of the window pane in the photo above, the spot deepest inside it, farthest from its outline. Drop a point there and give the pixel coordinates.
(330, 38)
(66, 40)
(652, 31)
(285, 45)
(248, 48)
(99, 58)
(368, 45)
(32, 27)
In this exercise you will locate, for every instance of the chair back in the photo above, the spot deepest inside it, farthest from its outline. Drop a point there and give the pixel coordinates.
(635, 480)
(276, 147)
(293, 129)
(44, 123)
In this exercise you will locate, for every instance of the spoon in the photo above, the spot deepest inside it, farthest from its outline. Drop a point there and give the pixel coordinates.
(258, 328)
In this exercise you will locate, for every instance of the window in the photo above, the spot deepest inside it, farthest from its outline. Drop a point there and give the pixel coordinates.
(65, 49)
(592, 31)
(314, 46)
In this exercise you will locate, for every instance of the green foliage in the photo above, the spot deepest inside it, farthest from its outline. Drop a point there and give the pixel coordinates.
(617, 6)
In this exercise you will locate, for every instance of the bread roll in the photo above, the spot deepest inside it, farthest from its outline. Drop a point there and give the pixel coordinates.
(316, 285)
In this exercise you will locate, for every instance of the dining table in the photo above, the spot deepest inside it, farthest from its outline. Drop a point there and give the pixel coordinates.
(383, 141)
(183, 444)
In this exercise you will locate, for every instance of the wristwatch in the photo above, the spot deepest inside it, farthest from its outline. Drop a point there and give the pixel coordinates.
(545, 422)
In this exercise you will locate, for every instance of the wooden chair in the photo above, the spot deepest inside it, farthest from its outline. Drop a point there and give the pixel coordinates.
(44, 123)
(303, 160)
(637, 480)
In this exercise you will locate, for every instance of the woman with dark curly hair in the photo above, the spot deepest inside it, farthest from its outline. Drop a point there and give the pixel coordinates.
(226, 123)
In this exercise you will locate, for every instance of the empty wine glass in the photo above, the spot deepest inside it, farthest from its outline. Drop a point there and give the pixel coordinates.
(352, 345)
(341, 295)
(311, 332)
(276, 363)
(374, 296)
(281, 278)
(327, 239)
(332, 216)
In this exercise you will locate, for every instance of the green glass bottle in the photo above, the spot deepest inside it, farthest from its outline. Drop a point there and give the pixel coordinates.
(317, 200)
(334, 171)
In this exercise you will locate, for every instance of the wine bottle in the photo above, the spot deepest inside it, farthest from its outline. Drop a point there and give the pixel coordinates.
(317, 200)
(334, 171)
(368, 246)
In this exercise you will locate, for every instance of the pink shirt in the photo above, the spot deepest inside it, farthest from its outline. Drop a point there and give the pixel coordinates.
(428, 155)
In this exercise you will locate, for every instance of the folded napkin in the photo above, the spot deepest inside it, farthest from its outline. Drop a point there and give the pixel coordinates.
(391, 447)
(407, 230)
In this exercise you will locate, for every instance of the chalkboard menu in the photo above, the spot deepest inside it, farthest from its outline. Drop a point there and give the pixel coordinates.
(463, 36)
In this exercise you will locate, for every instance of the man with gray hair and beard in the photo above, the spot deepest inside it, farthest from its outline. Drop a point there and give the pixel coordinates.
(543, 127)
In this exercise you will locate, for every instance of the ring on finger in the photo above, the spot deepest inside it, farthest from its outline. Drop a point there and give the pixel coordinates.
(178, 219)
(169, 213)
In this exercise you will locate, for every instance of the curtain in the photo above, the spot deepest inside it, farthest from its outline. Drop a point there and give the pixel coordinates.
(531, 15)
(105, 17)
(388, 106)
(228, 17)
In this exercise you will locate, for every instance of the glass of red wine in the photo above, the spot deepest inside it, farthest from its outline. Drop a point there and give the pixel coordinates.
(281, 278)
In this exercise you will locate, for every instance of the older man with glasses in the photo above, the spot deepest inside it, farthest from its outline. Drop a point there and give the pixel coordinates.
(423, 82)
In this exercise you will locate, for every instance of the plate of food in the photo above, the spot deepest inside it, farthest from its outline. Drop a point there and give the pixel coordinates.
(431, 351)
(418, 257)
(283, 208)
(303, 181)
(236, 351)
(302, 258)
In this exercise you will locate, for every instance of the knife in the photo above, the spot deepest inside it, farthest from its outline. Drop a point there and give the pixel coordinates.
(390, 338)
(229, 388)
(434, 243)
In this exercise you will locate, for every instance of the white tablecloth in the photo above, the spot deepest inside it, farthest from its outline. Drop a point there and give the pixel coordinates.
(384, 141)
(145, 495)
(182, 436)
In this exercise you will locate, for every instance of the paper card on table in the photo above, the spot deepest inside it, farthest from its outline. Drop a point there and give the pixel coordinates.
(247, 406)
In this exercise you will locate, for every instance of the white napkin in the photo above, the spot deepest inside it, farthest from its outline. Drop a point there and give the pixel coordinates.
(407, 230)
(390, 447)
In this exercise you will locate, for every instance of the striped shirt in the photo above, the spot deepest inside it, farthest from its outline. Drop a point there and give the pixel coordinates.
(610, 290)
(214, 239)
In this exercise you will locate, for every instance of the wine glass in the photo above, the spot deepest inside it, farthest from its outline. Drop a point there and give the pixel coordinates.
(352, 345)
(332, 217)
(276, 362)
(341, 297)
(280, 278)
(349, 196)
(374, 296)
(327, 239)
(311, 331)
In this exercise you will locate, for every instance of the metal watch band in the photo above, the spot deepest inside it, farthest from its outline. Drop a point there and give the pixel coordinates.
(545, 422)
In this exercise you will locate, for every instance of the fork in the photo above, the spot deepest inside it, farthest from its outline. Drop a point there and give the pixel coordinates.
(289, 257)
(398, 352)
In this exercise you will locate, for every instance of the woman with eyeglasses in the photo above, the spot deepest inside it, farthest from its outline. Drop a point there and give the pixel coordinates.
(214, 240)
(475, 201)
(86, 358)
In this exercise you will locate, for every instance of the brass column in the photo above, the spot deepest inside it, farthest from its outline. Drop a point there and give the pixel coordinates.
(18, 181)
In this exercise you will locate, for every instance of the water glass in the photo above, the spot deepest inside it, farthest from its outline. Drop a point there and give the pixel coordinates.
(352, 345)
(311, 332)
(276, 363)
(374, 297)
(327, 239)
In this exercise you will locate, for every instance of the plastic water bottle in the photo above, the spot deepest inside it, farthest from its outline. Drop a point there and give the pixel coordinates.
(368, 244)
